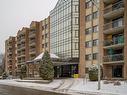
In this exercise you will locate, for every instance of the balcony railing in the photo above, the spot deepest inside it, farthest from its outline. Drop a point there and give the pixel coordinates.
(114, 24)
(115, 57)
(115, 42)
(32, 50)
(115, 6)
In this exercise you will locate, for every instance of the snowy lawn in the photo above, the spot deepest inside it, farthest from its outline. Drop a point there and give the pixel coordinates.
(82, 85)
(38, 86)
(78, 85)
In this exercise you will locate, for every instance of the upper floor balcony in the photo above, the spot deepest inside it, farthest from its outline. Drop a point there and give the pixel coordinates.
(113, 59)
(114, 27)
(108, 1)
(114, 10)
(32, 34)
(32, 50)
(116, 43)
(32, 43)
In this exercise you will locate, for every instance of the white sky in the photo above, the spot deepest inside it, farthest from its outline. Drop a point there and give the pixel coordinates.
(14, 14)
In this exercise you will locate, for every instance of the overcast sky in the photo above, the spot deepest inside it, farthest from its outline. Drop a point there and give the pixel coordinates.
(15, 14)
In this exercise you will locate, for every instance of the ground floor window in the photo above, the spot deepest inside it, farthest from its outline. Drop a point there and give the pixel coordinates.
(65, 70)
(117, 71)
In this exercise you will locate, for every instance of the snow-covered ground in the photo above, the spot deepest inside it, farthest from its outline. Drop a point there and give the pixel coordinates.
(78, 86)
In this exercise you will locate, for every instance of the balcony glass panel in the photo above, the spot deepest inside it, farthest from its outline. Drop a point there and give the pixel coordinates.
(114, 7)
(115, 57)
(114, 41)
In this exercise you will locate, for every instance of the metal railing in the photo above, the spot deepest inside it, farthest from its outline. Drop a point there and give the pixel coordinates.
(32, 50)
(115, 57)
(114, 24)
(113, 7)
(115, 42)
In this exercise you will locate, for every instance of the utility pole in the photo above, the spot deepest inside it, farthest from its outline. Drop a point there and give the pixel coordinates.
(99, 60)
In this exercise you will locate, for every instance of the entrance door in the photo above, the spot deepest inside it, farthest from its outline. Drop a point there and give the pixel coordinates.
(117, 71)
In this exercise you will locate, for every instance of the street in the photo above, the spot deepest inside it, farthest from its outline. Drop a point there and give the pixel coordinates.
(13, 90)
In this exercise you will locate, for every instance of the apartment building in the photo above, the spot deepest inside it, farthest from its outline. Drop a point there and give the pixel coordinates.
(38, 42)
(105, 45)
(22, 46)
(34, 38)
(89, 34)
(64, 36)
(10, 63)
(45, 34)
(114, 37)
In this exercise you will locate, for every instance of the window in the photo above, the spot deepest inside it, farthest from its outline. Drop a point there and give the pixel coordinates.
(97, 1)
(95, 28)
(88, 31)
(42, 45)
(88, 44)
(95, 42)
(46, 44)
(95, 56)
(76, 33)
(95, 15)
(42, 36)
(46, 26)
(76, 20)
(88, 57)
(76, 8)
(46, 35)
(117, 22)
(88, 17)
(76, 45)
(88, 4)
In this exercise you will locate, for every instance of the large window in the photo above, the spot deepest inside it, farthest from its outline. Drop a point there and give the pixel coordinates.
(88, 17)
(76, 8)
(95, 28)
(95, 55)
(88, 4)
(88, 31)
(88, 44)
(95, 15)
(95, 42)
(88, 57)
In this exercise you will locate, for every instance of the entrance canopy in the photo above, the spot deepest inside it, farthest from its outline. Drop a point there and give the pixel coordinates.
(39, 57)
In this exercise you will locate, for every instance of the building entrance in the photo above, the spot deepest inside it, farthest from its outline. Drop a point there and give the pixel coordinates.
(65, 70)
(117, 71)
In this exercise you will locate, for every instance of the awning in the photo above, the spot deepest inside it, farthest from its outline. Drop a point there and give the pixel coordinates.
(39, 57)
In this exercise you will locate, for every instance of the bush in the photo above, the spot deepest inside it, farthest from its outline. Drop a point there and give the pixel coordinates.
(106, 82)
(117, 83)
(4, 75)
(93, 73)
(23, 71)
(46, 69)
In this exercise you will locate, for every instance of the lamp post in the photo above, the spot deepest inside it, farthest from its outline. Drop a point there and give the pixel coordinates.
(99, 60)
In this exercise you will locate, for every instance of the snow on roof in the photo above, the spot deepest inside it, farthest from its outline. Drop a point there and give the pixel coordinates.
(41, 55)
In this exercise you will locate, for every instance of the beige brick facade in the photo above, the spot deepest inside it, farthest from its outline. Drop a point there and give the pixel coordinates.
(10, 56)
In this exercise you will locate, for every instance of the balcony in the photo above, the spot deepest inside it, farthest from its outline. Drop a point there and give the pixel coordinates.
(32, 43)
(108, 1)
(116, 58)
(118, 43)
(22, 40)
(114, 27)
(32, 51)
(32, 34)
(114, 10)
